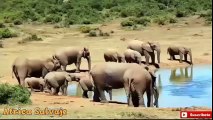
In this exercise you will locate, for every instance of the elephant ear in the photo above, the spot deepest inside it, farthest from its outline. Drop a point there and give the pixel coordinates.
(49, 65)
(151, 71)
(147, 47)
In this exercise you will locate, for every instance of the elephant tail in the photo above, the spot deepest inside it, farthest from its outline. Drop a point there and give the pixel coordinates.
(130, 84)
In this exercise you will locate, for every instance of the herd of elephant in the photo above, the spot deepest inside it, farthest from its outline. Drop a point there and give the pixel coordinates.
(118, 71)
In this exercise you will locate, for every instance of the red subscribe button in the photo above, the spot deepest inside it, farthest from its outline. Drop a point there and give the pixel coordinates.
(196, 114)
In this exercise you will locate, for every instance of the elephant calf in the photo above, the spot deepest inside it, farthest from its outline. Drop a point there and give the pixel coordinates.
(132, 56)
(112, 55)
(86, 83)
(56, 80)
(35, 83)
(175, 50)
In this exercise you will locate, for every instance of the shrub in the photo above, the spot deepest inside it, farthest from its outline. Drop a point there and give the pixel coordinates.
(143, 21)
(92, 33)
(2, 25)
(10, 94)
(6, 33)
(127, 23)
(33, 37)
(181, 13)
(172, 20)
(17, 22)
(85, 29)
(1, 44)
(52, 19)
(161, 20)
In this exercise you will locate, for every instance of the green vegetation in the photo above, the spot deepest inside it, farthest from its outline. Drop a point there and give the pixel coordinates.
(30, 38)
(71, 12)
(11, 94)
(6, 33)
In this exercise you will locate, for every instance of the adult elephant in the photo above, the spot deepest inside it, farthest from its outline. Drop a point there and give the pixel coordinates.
(23, 67)
(146, 49)
(181, 51)
(70, 55)
(132, 56)
(112, 55)
(134, 78)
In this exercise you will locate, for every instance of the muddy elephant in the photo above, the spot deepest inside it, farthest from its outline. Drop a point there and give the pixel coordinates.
(181, 51)
(35, 83)
(85, 81)
(132, 56)
(58, 80)
(134, 78)
(112, 55)
(70, 55)
(23, 67)
(146, 49)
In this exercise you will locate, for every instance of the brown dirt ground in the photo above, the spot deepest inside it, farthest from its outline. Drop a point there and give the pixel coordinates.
(193, 34)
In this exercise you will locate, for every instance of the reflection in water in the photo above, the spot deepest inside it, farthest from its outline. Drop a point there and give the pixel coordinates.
(183, 77)
(180, 87)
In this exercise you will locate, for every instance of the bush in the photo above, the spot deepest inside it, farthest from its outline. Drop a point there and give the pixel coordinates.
(143, 21)
(85, 29)
(181, 13)
(92, 33)
(6, 33)
(52, 19)
(2, 25)
(172, 20)
(161, 20)
(33, 37)
(10, 94)
(17, 22)
(1, 44)
(127, 23)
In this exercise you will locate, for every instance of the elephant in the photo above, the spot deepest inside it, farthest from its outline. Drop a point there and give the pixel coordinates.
(85, 81)
(132, 56)
(35, 83)
(146, 49)
(56, 80)
(112, 55)
(177, 50)
(23, 67)
(134, 78)
(70, 55)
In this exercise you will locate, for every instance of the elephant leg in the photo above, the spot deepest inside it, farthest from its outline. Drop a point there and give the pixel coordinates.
(147, 56)
(181, 57)
(85, 95)
(156, 95)
(110, 94)
(55, 91)
(141, 99)
(128, 94)
(185, 57)
(96, 96)
(152, 54)
(173, 57)
(149, 97)
(41, 88)
(102, 95)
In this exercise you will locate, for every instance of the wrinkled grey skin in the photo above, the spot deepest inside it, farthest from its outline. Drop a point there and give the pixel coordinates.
(146, 49)
(56, 80)
(70, 55)
(35, 83)
(181, 51)
(24, 67)
(112, 55)
(130, 76)
(132, 56)
(85, 81)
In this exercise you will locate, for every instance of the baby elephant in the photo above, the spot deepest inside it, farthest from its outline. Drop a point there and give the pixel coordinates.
(132, 56)
(181, 51)
(35, 83)
(56, 80)
(86, 83)
(112, 55)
